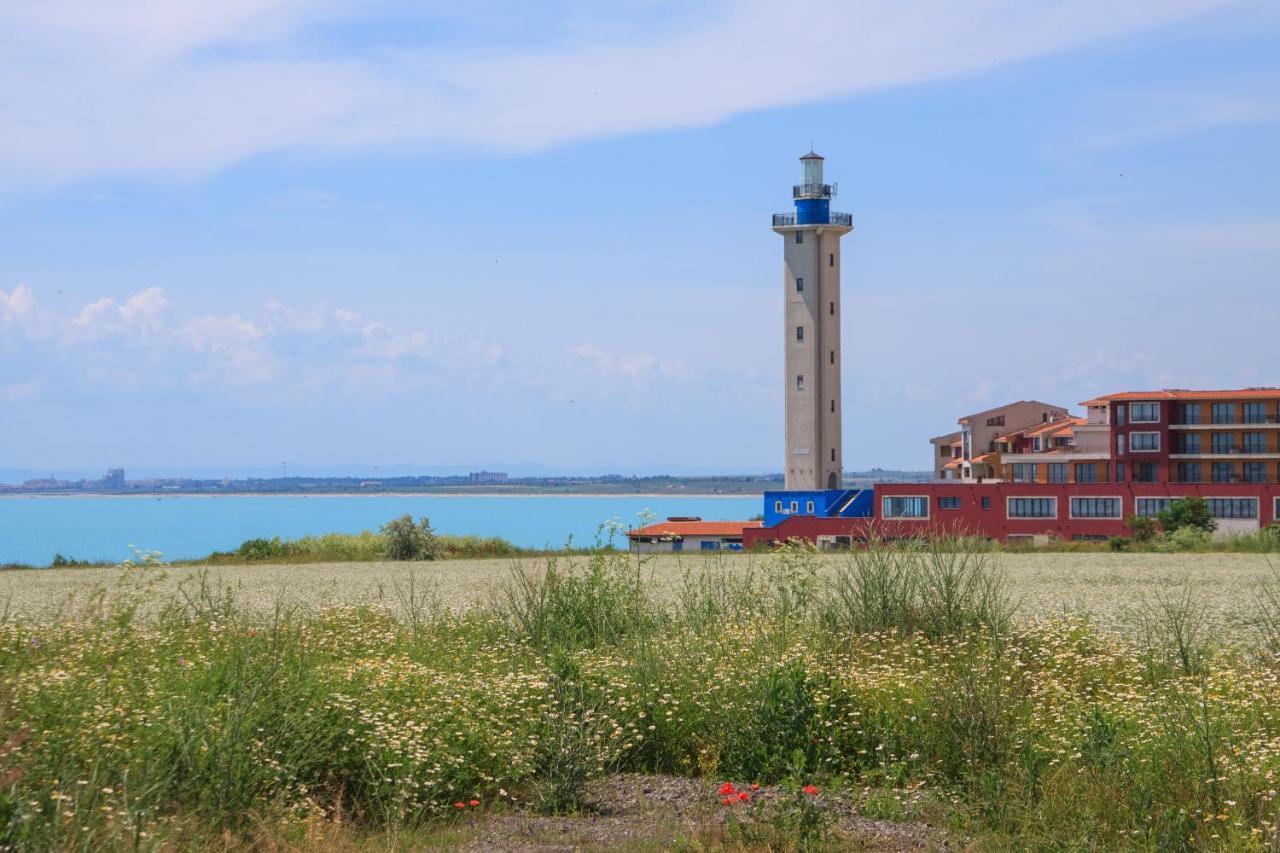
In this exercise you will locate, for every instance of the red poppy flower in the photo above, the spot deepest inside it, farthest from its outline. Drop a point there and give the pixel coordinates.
(811, 790)
(474, 803)
(459, 805)
(727, 788)
(728, 801)
(744, 796)
(755, 786)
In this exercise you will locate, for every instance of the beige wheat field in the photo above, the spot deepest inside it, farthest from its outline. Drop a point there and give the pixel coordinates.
(1112, 588)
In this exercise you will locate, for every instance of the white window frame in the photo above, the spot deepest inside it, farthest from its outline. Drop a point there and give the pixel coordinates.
(1071, 510)
(1275, 511)
(1134, 419)
(928, 508)
(777, 507)
(1133, 449)
(795, 507)
(1010, 517)
(808, 507)
(1257, 507)
(959, 505)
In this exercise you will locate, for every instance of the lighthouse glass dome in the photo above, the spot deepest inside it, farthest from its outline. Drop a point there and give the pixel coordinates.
(811, 170)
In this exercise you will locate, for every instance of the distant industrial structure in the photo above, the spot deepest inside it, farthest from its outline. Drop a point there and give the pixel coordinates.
(487, 478)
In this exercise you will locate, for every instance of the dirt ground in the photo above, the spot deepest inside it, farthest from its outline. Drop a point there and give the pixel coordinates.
(635, 812)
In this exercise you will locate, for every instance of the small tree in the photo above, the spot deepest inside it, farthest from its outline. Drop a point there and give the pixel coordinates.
(410, 540)
(1188, 512)
(1142, 527)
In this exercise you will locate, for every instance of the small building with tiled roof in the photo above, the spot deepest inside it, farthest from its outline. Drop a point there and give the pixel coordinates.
(679, 534)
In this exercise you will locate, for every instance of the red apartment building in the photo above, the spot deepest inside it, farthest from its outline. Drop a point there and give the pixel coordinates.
(1080, 478)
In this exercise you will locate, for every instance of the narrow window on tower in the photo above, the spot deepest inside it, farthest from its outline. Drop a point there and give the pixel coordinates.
(831, 309)
(799, 383)
(799, 333)
(833, 407)
(831, 260)
(833, 356)
(833, 454)
(799, 285)
(799, 236)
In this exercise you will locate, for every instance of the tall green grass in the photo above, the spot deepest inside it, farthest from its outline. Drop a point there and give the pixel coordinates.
(901, 671)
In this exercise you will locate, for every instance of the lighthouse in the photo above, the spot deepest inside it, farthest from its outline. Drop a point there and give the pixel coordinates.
(811, 330)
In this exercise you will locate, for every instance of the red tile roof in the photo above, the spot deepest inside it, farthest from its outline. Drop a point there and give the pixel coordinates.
(1181, 394)
(694, 528)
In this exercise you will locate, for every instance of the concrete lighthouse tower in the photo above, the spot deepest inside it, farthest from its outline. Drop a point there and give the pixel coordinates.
(811, 293)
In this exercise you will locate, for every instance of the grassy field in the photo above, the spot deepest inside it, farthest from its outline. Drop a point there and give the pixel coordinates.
(907, 698)
(1112, 587)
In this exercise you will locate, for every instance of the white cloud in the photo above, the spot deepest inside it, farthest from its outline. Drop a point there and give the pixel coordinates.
(1142, 118)
(145, 342)
(18, 305)
(140, 314)
(185, 89)
(633, 367)
(18, 391)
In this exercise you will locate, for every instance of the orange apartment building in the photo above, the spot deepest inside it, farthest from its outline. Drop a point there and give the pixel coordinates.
(1169, 436)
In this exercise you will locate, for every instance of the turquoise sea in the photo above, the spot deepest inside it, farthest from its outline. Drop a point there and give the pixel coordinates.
(33, 529)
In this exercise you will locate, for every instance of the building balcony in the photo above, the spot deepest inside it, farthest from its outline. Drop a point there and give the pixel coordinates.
(788, 220)
(813, 190)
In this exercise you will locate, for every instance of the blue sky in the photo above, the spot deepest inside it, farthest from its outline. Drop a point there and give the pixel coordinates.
(240, 232)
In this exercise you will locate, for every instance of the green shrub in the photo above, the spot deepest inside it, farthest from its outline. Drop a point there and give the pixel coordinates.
(409, 540)
(1187, 513)
(1142, 528)
(1118, 543)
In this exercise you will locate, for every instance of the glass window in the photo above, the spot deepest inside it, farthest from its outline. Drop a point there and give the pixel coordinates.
(1255, 472)
(1145, 413)
(1086, 472)
(1233, 507)
(1223, 472)
(831, 260)
(905, 507)
(1254, 442)
(1188, 472)
(777, 506)
(1188, 413)
(1151, 507)
(1145, 472)
(1119, 472)
(1187, 442)
(996, 421)
(799, 285)
(1120, 413)
(795, 506)
(948, 503)
(1144, 441)
(1095, 507)
(1024, 472)
(799, 236)
(1033, 507)
(799, 383)
(799, 333)
(1057, 472)
(1255, 413)
(1120, 444)
(1224, 413)
(986, 503)
(1223, 442)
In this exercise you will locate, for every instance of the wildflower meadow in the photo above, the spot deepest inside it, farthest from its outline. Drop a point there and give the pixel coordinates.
(903, 683)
